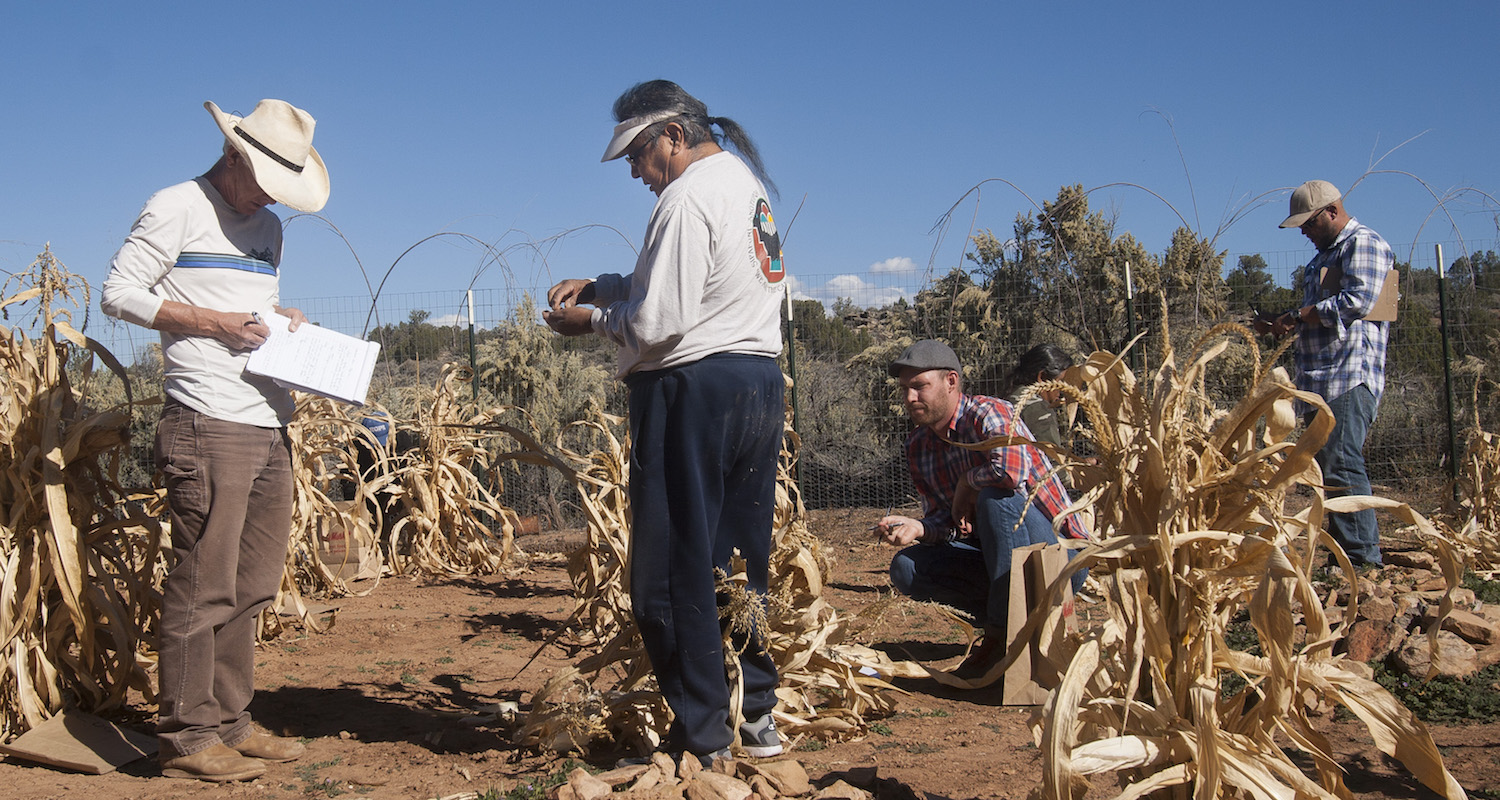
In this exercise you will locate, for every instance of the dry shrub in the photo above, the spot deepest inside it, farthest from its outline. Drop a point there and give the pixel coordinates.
(1479, 488)
(323, 461)
(1190, 508)
(829, 687)
(79, 565)
(451, 521)
(429, 511)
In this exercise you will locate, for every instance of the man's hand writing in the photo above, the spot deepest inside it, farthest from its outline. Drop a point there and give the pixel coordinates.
(897, 530)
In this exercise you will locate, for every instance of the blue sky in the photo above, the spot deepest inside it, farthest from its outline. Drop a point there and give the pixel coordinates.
(488, 119)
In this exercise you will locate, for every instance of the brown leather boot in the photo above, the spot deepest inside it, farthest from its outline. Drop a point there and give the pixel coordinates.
(266, 747)
(217, 763)
(986, 653)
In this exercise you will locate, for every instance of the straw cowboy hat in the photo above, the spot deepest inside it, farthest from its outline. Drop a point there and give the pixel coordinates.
(277, 140)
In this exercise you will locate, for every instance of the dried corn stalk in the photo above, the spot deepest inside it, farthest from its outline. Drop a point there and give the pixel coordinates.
(829, 686)
(1479, 486)
(451, 521)
(442, 494)
(79, 565)
(1194, 529)
(322, 433)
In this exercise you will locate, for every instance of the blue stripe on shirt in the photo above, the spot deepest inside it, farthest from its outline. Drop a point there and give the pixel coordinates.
(219, 261)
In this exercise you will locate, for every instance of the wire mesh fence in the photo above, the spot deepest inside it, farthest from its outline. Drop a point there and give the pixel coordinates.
(848, 413)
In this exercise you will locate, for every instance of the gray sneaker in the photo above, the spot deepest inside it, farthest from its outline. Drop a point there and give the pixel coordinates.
(759, 738)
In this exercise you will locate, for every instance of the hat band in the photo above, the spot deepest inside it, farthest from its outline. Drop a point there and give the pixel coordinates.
(268, 151)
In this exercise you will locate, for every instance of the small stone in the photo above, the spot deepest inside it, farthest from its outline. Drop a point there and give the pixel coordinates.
(1433, 584)
(1471, 627)
(1454, 657)
(1409, 607)
(724, 766)
(1378, 609)
(666, 791)
(787, 777)
(588, 787)
(1368, 640)
(842, 791)
(723, 787)
(620, 775)
(648, 779)
(663, 762)
(1411, 559)
(763, 788)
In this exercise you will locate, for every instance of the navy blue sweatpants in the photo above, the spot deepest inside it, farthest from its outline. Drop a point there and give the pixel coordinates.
(705, 438)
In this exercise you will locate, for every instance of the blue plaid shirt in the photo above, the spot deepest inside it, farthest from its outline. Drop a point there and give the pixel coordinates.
(1345, 350)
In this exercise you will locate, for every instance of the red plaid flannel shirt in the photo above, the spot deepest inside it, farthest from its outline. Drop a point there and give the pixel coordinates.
(937, 466)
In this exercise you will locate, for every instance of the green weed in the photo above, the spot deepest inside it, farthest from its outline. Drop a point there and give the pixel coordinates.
(537, 790)
(1488, 591)
(1445, 699)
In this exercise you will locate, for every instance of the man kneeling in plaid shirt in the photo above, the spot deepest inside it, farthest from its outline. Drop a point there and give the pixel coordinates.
(974, 502)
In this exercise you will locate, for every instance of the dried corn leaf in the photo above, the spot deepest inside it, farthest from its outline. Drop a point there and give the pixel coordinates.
(1193, 529)
(829, 687)
(80, 561)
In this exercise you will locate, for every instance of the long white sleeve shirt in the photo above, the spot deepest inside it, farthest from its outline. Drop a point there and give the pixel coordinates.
(708, 279)
(189, 246)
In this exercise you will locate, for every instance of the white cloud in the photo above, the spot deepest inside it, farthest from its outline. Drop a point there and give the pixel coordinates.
(891, 265)
(850, 287)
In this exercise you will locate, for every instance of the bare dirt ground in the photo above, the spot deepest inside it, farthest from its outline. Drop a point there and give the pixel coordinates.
(381, 699)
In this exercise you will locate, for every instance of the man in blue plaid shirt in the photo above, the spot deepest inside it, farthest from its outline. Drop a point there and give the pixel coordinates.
(1340, 353)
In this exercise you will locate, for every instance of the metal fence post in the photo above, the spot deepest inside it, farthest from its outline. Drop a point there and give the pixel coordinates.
(473, 364)
(791, 369)
(1447, 370)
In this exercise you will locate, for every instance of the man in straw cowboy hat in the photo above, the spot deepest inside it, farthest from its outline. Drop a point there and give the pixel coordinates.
(1340, 351)
(201, 266)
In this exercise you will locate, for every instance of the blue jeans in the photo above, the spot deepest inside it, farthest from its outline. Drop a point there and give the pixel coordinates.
(973, 574)
(705, 440)
(1343, 462)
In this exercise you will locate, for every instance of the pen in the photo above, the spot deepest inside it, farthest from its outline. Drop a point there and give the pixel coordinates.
(256, 317)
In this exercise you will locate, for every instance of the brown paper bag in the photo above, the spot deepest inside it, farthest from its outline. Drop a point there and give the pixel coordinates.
(1031, 677)
(1384, 309)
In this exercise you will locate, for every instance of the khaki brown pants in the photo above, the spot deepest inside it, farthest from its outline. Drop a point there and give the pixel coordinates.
(229, 489)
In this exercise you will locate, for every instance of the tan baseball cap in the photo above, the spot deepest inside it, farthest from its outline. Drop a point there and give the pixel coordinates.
(1306, 201)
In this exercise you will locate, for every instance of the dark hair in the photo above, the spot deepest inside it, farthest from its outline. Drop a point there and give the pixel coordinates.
(1048, 359)
(653, 96)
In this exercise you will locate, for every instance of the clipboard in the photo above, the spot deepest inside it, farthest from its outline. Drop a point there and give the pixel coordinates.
(1385, 303)
(313, 359)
